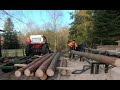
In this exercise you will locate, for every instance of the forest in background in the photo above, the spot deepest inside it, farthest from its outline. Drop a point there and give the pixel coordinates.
(94, 27)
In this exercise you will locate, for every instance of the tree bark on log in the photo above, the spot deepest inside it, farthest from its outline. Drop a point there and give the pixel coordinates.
(20, 71)
(32, 74)
(44, 77)
(52, 67)
(104, 59)
(64, 64)
(42, 69)
(36, 65)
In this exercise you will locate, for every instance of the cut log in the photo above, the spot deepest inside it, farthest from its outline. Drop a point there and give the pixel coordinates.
(52, 67)
(101, 58)
(32, 74)
(42, 69)
(64, 64)
(36, 65)
(63, 72)
(59, 75)
(37, 56)
(20, 65)
(44, 77)
(66, 68)
(20, 71)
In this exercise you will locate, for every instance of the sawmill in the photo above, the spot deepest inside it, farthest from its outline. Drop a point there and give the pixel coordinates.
(59, 45)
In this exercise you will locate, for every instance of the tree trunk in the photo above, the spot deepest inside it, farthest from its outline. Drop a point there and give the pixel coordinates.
(44, 77)
(42, 69)
(36, 65)
(104, 59)
(51, 69)
(64, 64)
(20, 71)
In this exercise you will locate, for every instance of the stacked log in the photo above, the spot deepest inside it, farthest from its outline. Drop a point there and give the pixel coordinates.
(52, 67)
(35, 66)
(40, 72)
(20, 71)
(41, 67)
(44, 77)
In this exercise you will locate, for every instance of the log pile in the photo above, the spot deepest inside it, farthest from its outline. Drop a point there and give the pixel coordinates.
(20, 71)
(41, 67)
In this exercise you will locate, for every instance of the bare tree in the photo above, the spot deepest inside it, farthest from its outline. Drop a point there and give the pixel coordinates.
(15, 15)
(55, 16)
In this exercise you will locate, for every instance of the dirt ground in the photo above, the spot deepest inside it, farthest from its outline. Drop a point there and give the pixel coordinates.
(76, 64)
(85, 75)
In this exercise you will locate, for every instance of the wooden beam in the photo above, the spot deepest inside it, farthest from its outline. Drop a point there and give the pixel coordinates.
(20, 65)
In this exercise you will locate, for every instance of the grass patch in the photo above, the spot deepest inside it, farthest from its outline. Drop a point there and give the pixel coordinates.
(12, 52)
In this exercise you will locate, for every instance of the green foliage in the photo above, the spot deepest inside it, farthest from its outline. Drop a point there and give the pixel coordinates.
(10, 36)
(106, 26)
(95, 27)
(82, 26)
(8, 25)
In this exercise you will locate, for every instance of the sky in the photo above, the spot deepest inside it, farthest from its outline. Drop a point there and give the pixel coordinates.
(39, 17)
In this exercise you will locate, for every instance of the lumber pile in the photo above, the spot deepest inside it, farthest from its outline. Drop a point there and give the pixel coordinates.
(41, 67)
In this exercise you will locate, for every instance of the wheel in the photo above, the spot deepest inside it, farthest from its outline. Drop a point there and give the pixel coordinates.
(45, 49)
(27, 50)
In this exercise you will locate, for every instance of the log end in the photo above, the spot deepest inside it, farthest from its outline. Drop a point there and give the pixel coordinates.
(43, 77)
(39, 73)
(17, 73)
(50, 72)
(27, 72)
(63, 72)
(117, 63)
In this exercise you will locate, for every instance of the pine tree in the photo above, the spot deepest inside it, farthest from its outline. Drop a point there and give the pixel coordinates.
(10, 36)
(106, 26)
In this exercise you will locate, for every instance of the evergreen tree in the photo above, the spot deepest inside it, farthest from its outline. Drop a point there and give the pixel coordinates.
(10, 36)
(106, 26)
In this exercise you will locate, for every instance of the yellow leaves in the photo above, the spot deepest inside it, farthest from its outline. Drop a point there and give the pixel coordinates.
(84, 13)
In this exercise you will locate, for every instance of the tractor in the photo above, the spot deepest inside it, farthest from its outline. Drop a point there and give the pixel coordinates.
(36, 45)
